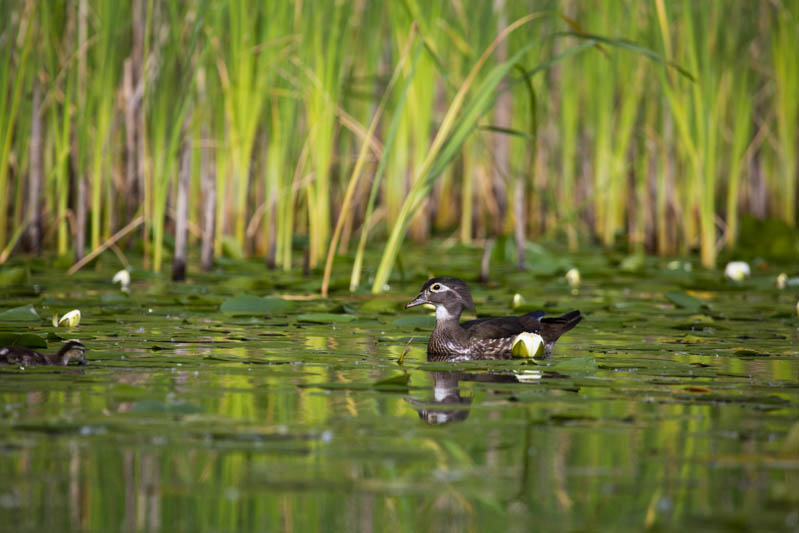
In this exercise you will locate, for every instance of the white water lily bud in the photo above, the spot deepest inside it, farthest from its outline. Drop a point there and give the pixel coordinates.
(737, 270)
(123, 278)
(518, 301)
(572, 277)
(782, 280)
(70, 320)
(528, 345)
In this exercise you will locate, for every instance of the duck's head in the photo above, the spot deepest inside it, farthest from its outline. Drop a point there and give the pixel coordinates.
(73, 350)
(450, 296)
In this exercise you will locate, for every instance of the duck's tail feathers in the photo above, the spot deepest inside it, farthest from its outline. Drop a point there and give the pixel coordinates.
(553, 328)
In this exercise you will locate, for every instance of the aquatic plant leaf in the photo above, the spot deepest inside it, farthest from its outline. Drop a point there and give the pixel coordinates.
(343, 308)
(27, 340)
(24, 313)
(114, 297)
(232, 249)
(417, 321)
(325, 318)
(577, 365)
(381, 305)
(248, 304)
(633, 263)
(686, 301)
(14, 276)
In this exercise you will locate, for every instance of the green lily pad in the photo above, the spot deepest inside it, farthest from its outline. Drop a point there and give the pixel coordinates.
(27, 340)
(380, 305)
(14, 276)
(25, 313)
(416, 321)
(633, 263)
(576, 366)
(114, 298)
(248, 304)
(232, 249)
(326, 318)
(686, 301)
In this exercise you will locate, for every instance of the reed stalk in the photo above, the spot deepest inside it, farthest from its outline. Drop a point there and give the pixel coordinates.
(324, 48)
(741, 116)
(450, 137)
(785, 43)
(288, 86)
(359, 165)
(13, 69)
(166, 114)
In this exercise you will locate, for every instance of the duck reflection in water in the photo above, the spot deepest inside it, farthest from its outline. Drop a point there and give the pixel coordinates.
(448, 405)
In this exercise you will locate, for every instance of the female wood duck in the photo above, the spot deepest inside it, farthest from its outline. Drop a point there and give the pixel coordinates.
(17, 355)
(484, 336)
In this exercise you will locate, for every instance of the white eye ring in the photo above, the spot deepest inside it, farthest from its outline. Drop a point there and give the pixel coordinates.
(436, 287)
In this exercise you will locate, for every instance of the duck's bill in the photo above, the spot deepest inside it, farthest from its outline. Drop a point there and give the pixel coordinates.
(418, 301)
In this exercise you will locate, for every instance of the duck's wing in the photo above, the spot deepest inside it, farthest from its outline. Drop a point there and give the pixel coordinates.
(500, 328)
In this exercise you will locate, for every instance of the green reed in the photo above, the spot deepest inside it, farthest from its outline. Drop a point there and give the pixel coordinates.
(626, 151)
(18, 36)
(784, 43)
(323, 49)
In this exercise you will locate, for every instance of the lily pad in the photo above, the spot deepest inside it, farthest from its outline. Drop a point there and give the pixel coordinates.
(326, 318)
(576, 366)
(27, 340)
(25, 313)
(114, 298)
(416, 321)
(686, 301)
(14, 276)
(248, 304)
(633, 263)
(381, 305)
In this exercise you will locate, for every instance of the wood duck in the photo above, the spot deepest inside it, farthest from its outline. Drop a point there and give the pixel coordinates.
(484, 336)
(17, 355)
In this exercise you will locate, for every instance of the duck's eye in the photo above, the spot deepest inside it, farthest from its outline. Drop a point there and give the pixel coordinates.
(436, 287)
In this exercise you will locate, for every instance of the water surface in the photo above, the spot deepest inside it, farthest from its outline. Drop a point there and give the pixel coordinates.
(649, 414)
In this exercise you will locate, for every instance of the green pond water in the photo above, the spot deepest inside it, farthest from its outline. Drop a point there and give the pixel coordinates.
(674, 405)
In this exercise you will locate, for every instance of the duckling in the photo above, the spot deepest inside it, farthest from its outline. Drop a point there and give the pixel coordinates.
(72, 350)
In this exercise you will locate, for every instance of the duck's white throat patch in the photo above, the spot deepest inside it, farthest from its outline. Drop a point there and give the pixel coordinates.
(442, 313)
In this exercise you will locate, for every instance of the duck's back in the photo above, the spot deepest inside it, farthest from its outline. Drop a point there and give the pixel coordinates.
(500, 328)
(17, 355)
